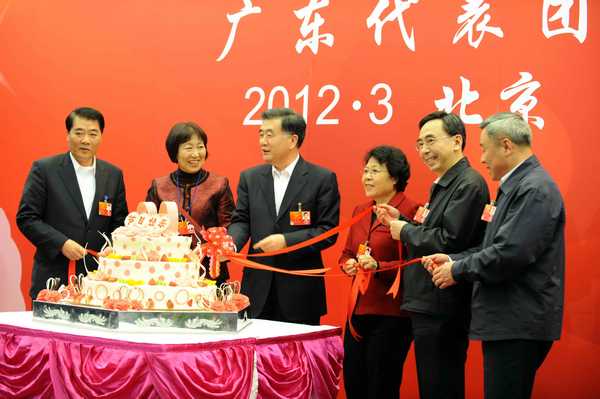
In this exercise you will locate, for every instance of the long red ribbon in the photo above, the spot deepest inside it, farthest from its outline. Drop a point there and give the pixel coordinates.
(360, 282)
(259, 266)
(215, 246)
(318, 238)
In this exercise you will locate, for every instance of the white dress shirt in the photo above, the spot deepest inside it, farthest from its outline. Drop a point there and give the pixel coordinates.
(281, 179)
(86, 178)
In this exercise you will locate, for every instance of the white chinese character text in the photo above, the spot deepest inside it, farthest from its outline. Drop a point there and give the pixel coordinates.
(312, 27)
(474, 11)
(234, 20)
(468, 96)
(374, 20)
(525, 101)
(564, 14)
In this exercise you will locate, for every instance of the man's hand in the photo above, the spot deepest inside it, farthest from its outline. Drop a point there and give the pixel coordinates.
(396, 227)
(430, 262)
(386, 213)
(72, 250)
(442, 275)
(350, 267)
(367, 262)
(274, 242)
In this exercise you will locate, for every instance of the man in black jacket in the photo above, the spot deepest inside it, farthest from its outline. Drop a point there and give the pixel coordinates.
(69, 198)
(518, 271)
(281, 203)
(449, 222)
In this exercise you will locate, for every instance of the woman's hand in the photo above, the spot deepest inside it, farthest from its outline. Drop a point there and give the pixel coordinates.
(350, 267)
(367, 262)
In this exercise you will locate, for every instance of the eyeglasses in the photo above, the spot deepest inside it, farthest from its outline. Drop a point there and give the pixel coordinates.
(372, 172)
(429, 141)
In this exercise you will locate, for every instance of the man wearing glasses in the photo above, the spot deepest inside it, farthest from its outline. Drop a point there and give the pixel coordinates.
(449, 223)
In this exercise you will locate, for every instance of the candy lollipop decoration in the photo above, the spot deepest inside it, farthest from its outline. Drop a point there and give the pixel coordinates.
(240, 300)
(216, 301)
(73, 290)
(50, 294)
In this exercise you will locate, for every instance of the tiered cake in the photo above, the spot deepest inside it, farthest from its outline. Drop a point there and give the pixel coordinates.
(149, 266)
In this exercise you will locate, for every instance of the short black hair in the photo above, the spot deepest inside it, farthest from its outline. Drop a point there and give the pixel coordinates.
(85, 113)
(395, 161)
(291, 122)
(451, 122)
(181, 133)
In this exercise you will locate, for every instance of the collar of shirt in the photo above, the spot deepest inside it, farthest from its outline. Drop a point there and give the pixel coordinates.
(456, 169)
(510, 172)
(447, 178)
(287, 171)
(80, 168)
(516, 174)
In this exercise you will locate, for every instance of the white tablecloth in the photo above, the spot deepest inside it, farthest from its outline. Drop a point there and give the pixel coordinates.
(256, 329)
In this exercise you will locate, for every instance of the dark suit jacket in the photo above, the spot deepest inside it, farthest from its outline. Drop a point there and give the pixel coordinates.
(385, 250)
(299, 298)
(51, 211)
(454, 224)
(518, 272)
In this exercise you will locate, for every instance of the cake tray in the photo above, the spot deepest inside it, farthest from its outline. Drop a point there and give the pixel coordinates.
(112, 319)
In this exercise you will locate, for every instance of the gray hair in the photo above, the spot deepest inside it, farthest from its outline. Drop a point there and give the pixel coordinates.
(510, 125)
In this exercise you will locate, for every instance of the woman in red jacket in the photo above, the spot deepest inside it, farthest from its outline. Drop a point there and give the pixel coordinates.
(373, 364)
(203, 195)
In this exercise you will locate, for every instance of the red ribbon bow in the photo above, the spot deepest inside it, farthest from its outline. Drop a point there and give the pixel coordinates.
(217, 243)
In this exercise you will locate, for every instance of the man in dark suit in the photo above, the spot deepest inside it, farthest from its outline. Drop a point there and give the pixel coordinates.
(282, 203)
(518, 270)
(450, 222)
(69, 198)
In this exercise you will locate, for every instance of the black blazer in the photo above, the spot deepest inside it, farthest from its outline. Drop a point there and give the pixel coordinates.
(51, 211)
(299, 298)
(453, 225)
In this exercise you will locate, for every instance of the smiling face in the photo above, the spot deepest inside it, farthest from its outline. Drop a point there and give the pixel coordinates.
(438, 150)
(191, 155)
(377, 182)
(84, 138)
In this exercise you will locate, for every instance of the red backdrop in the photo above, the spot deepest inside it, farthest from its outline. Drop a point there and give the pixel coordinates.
(147, 65)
